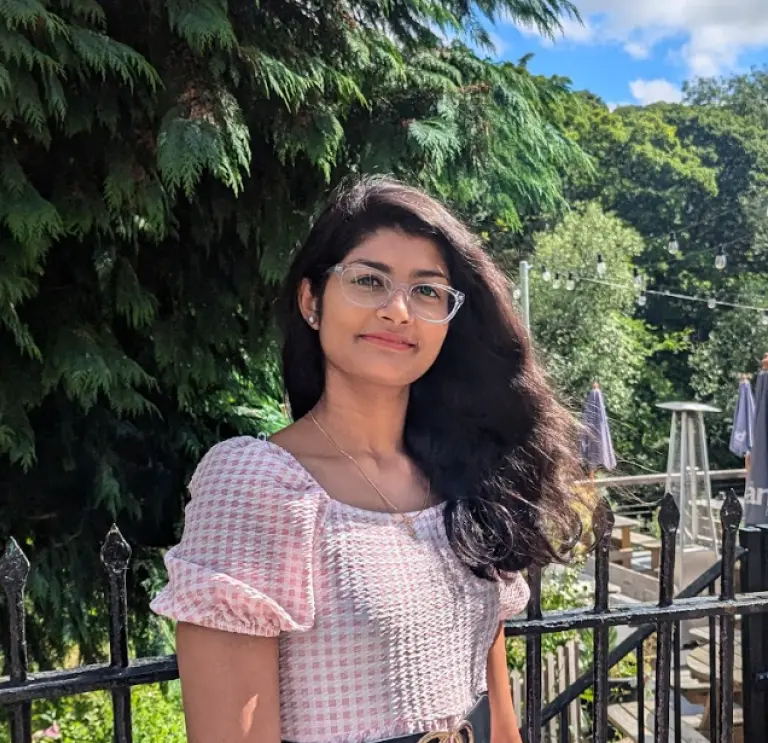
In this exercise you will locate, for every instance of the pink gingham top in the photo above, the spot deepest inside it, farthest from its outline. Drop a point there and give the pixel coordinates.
(381, 634)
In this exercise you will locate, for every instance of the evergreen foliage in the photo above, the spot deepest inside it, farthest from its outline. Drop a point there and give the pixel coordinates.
(159, 161)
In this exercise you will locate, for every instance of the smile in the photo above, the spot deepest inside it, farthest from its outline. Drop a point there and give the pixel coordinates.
(390, 342)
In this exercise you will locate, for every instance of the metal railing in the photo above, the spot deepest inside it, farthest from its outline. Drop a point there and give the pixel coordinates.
(22, 687)
(663, 618)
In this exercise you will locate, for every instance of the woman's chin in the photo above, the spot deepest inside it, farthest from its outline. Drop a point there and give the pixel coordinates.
(385, 376)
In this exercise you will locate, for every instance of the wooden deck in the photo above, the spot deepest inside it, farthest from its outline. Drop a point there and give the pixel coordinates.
(624, 718)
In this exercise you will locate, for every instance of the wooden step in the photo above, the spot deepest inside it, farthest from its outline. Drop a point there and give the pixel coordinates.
(624, 718)
(688, 684)
(738, 718)
(702, 635)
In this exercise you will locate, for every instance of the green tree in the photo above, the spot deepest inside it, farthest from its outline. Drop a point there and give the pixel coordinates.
(698, 170)
(735, 346)
(159, 162)
(589, 334)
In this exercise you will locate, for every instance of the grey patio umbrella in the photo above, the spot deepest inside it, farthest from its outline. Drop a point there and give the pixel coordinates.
(756, 493)
(742, 433)
(595, 440)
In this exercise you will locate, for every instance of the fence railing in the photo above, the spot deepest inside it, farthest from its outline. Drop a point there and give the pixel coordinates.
(560, 669)
(663, 618)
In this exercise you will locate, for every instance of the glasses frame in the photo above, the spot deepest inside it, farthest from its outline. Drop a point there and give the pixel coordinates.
(340, 268)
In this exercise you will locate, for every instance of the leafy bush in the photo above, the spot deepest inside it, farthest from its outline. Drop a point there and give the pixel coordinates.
(87, 718)
(560, 590)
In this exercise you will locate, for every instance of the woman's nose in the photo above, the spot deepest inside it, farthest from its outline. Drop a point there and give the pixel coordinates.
(398, 308)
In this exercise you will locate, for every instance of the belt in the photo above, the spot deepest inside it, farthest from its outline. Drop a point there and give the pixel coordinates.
(475, 728)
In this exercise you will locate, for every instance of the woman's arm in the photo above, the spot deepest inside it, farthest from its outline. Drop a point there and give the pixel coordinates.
(504, 728)
(229, 685)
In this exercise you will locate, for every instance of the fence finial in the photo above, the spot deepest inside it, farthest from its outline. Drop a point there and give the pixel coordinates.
(115, 552)
(14, 567)
(669, 514)
(731, 511)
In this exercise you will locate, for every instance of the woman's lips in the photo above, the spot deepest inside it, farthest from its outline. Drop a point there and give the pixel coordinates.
(391, 342)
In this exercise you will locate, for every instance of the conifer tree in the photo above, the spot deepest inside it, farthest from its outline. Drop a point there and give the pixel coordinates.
(159, 161)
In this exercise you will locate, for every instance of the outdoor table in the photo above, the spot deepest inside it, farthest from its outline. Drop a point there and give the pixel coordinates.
(622, 530)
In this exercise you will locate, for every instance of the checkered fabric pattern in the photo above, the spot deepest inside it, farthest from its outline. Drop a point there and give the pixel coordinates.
(380, 634)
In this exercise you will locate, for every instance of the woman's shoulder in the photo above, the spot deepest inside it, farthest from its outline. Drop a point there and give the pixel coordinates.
(249, 462)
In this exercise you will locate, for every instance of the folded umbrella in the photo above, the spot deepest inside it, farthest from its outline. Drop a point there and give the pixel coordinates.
(756, 492)
(742, 433)
(595, 440)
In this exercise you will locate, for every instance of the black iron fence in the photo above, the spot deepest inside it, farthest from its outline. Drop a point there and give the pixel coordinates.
(662, 619)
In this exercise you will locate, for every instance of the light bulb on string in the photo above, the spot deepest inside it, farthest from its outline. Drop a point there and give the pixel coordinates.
(516, 293)
(545, 274)
(570, 283)
(601, 267)
(720, 259)
(764, 318)
(711, 303)
(673, 246)
(556, 282)
(637, 279)
(642, 300)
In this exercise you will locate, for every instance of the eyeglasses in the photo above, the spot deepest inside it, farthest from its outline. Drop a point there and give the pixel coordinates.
(369, 287)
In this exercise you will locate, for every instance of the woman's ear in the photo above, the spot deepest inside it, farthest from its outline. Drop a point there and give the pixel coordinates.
(308, 304)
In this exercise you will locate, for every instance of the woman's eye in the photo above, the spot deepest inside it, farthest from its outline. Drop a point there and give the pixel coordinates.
(428, 292)
(369, 280)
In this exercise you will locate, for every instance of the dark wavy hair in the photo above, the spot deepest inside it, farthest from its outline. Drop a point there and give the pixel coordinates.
(482, 424)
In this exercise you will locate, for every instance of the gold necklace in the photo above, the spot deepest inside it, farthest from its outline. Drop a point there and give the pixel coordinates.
(407, 520)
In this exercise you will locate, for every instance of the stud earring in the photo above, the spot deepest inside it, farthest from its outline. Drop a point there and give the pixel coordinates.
(312, 320)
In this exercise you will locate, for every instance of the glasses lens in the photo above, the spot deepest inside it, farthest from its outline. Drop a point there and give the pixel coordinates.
(365, 286)
(432, 302)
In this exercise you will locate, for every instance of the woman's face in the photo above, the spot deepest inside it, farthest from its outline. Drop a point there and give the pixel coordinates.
(375, 334)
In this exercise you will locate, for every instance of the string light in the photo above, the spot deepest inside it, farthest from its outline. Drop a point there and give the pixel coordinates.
(638, 283)
(673, 246)
(642, 298)
(516, 293)
(720, 259)
(556, 282)
(601, 267)
(684, 297)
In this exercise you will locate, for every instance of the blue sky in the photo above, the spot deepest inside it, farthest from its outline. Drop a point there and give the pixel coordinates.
(641, 51)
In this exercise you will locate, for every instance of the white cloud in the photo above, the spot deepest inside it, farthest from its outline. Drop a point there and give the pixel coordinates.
(498, 44)
(711, 35)
(654, 91)
(637, 50)
(581, 33)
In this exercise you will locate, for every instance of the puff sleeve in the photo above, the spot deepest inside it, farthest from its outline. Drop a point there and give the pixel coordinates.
(513, 595)
(244, 563)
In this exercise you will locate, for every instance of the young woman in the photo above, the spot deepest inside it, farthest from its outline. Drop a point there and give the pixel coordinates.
(347, 581)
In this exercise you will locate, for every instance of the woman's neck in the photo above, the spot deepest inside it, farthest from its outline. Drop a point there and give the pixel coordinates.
(363, 418)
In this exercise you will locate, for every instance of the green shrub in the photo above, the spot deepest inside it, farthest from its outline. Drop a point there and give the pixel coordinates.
(87, 718)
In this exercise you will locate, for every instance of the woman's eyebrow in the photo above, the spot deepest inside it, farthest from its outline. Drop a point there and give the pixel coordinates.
(383, 267)
(429, 273)
(421, 273)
